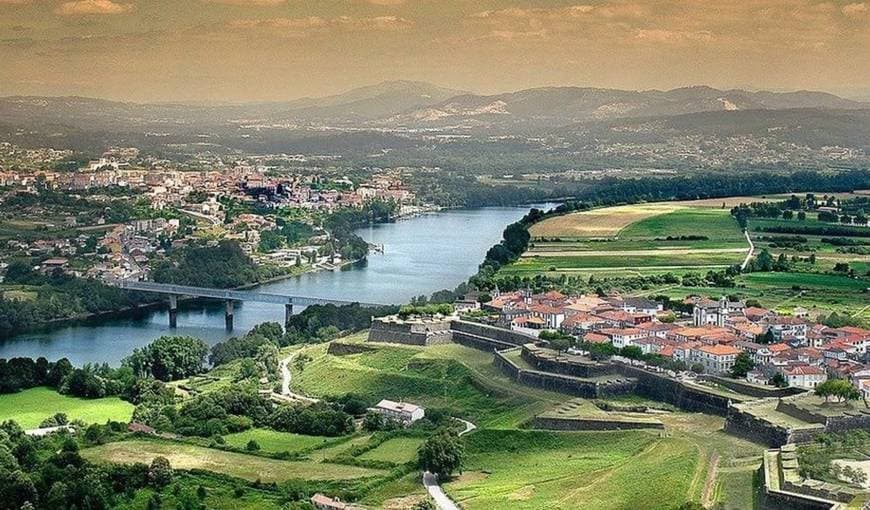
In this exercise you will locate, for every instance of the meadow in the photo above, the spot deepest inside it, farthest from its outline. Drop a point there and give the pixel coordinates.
(240, 465)
(30, 407)
(271, 441)
(399, 450)
(589, 470)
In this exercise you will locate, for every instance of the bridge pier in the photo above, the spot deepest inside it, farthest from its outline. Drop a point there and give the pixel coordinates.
(288, 312)
(229, 315)
(173, 311)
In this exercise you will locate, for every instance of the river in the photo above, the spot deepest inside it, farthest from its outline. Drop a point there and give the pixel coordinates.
(421, 255)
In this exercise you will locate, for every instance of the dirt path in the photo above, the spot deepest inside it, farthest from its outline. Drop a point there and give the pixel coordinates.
(706, 498)
(286, 377)
(749, 253)
(430, 481)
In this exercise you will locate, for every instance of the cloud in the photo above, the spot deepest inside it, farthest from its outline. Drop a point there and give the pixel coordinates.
(14, 2)
(317, 23)
(385, 2)
(855, 9)
(673, 36)
(264, 3)
(80, 7)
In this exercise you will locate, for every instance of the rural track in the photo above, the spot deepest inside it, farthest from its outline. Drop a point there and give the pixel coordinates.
(749, 253)
(430, 480)
(286, 377)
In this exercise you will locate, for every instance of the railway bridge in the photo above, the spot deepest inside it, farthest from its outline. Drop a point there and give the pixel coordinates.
(230, 296)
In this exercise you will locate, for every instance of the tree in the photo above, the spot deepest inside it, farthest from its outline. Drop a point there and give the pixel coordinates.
(697, 368)
(839, 388)
(441, 454)
(252, 446)
(160, 472)
(267, 360)
(742, 365)
(169, 358)
(779, 380)
(632, 352)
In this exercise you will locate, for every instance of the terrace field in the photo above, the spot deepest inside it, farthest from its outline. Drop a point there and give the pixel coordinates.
(30, 407)
(271, 441)
(248, 467)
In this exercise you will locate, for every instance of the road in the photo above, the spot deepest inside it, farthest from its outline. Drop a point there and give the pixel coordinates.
(286, 377)
(748, 254)
(430, 481)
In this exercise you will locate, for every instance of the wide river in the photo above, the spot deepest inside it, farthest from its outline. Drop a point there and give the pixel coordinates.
(421, 255)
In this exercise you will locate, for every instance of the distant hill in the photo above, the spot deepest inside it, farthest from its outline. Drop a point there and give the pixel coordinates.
(566, 105)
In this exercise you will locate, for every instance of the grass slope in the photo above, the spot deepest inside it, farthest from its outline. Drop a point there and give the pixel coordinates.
(30, 407)
(248, 467)
(276, 442)
(600, 470)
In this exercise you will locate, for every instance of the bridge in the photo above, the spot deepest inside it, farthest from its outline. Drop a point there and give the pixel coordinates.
(231, 296)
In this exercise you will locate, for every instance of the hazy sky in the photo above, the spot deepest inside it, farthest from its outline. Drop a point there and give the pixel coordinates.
(242, 50)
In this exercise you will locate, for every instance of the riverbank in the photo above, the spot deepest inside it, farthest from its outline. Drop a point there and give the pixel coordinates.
(422, 255)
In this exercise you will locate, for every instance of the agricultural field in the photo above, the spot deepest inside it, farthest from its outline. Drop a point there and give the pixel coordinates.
(399, 450)
(240, 465)
(30, 407)
(271, 441)
(632, 240)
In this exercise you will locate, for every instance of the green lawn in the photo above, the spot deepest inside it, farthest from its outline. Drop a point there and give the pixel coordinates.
(248, 467)
(277, 442)
(30, 407)
(398, 450)
(591, 470)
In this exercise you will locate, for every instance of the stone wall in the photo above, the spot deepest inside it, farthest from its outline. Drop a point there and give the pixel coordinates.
(480, 343)
(663, 388)
(342, 349)
(744, 424)
(554, 423)
(492, 332)
(574, 368)
(789, 407)
(754, 390)
(564, 383)
(410, 333)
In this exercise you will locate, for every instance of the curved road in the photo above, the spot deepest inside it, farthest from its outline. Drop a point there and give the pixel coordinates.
(430, 480)
(286, 394)
(749, 254)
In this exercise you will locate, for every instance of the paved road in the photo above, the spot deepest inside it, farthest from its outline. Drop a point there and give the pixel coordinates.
(443, 502)
(749, 253)
(430, 481)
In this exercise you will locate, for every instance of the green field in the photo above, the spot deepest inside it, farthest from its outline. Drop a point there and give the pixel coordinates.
(276, 442)
(591, 470)
(397, 451)
(30, 407)
(249, 467)
(716, 224)
(434, 377)
(637, 243)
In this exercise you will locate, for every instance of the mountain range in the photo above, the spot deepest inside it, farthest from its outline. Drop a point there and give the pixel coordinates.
(423, 105)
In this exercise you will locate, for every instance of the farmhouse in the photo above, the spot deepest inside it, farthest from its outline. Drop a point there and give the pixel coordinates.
(402, 412)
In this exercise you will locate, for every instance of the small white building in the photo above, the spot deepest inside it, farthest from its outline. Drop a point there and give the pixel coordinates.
(399, 411)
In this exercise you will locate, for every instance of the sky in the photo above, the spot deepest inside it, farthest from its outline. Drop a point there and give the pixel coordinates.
(273, 50)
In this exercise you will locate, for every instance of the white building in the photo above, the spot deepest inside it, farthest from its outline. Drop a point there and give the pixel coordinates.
(716, 359)
(399, 411)
(804, 376)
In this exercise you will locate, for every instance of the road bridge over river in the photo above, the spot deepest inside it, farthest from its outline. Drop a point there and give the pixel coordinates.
(231, 296)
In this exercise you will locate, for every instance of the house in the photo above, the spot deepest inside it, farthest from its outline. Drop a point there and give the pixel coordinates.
(323, 502)
(623, 337)
(803, 376)
(637, 305)
(783, 326)
(402, 412)
(716, 359)
(551, 315)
